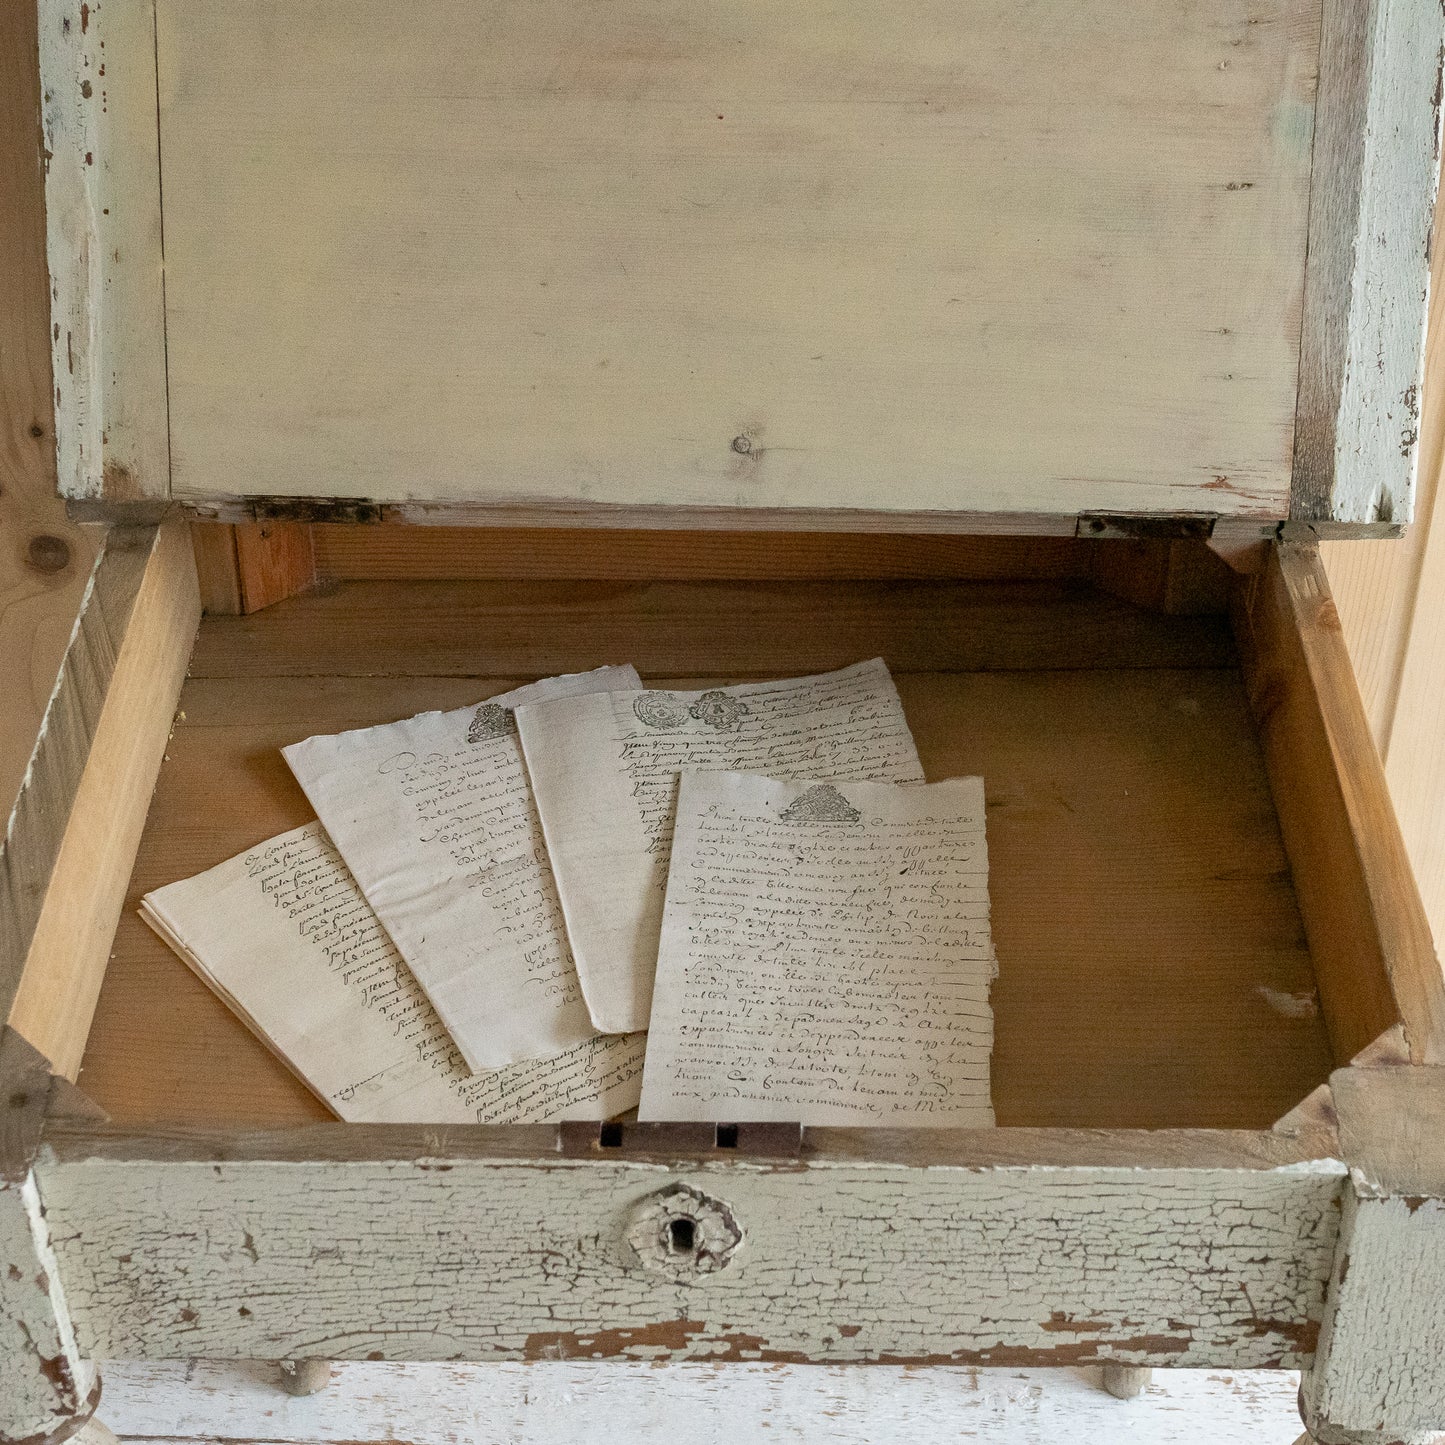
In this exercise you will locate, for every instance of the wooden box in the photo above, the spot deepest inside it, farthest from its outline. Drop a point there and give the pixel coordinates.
(1032, 348)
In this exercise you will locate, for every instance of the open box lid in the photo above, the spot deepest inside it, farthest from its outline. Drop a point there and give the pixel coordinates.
(967, 265)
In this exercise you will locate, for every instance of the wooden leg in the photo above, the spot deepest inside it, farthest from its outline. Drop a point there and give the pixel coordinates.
(305, 1377)
(1378, 1374)
(1123, 1382)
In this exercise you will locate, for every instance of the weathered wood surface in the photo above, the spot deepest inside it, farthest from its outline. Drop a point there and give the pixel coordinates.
(1376, 167)
(45, 559)
(103, 220)
(78, 822)
(1377, 1376)
(710, 257)
(476, 1258)
(46, 1384)
(711, 629)
(58, 760)
(1370, 941)
(586, 1403)
(1156, 975)
(514, 554)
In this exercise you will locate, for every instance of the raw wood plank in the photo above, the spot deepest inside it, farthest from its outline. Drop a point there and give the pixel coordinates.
(712, 257)
(218, 571)
(1132, 948)
(46, 560)
(103, 219)
(276, 560)
(85, 889)
(1376, 168)
(1369, 938)
(706, 630)
(401, 553)
(245, 566)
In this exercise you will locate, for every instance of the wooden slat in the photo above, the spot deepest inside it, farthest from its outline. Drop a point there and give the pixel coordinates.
(712, 629)
(46, 560)
(1153, 969)
(246, 566)
(401, 553)
(103, 205)
(1369, 938)
(713, 258)
(131, 647)
(521, 1258)
(1376, 167)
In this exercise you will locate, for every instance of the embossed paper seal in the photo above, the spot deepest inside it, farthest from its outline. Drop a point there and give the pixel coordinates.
(659, 710)
(491, 720)
(720, 710)
(820, 804)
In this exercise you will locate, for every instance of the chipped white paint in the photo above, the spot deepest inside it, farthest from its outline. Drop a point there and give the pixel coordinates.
(483, 1258)
(581, 1403)
(44, 1381)
(103, 228)
(1375, 174)
(1380, 1375)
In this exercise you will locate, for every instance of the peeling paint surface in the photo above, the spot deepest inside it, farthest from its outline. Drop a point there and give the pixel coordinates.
(43, 1381)
(843, 1262)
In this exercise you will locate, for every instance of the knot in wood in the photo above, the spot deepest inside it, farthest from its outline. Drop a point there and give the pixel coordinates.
(683, 1234)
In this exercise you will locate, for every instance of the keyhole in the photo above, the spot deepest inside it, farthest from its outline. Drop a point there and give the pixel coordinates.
(681, 1236)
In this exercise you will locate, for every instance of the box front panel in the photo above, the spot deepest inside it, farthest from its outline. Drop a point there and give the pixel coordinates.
(550, 1259)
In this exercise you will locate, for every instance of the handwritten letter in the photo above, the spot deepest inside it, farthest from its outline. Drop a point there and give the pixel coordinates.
(825, 956)
(284, 936)
(435, 817)
(605, 767)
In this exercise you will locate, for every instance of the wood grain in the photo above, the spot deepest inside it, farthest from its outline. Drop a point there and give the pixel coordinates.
(514, 554)
(243, 567)
(1373, 954)
(83, 893)
(1135, 948)
(719, 258)
(706, 630)
(45, 560)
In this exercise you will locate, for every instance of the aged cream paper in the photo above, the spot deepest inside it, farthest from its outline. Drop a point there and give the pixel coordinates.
(604, 769)
(825, 957)
(284, 936)
(435, 817)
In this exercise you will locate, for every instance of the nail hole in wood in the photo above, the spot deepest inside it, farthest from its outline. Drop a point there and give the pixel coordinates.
(727, 1136)
(609, 1136)
(681, 1236)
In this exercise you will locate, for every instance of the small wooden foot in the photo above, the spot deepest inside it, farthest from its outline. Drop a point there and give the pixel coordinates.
(305, 1377)
(1123, 1382)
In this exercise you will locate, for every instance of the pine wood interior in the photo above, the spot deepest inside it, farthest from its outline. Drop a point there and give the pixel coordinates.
(1153, 968)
